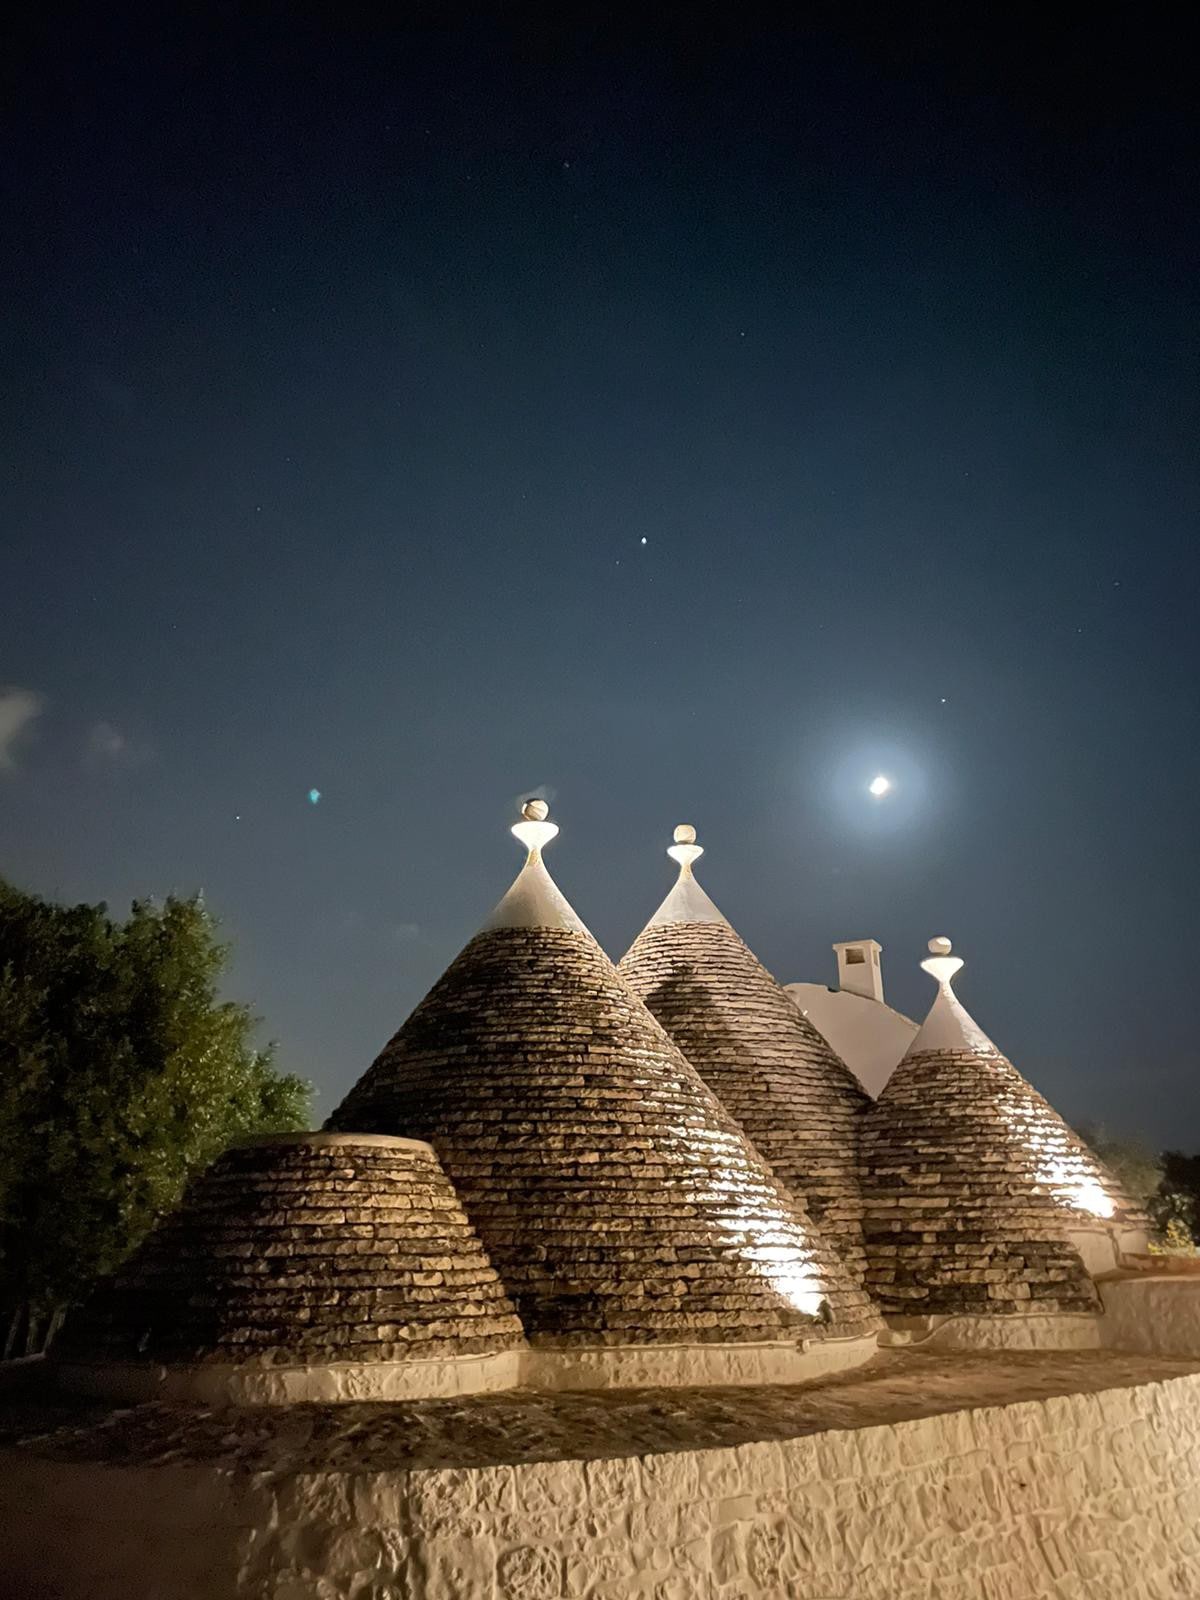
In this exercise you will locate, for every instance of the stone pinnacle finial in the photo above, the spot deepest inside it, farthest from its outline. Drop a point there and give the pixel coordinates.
(940, 964)
(534, 831)
(685, 850)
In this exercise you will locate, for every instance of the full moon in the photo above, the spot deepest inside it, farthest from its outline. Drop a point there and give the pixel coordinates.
(879, 786)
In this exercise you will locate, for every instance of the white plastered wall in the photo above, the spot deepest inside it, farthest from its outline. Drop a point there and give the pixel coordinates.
(657, 1366)
(1092, 1494)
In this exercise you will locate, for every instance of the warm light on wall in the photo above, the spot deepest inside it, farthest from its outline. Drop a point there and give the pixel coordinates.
(770, 1244)
(1059, 1171)
(1091, 1197)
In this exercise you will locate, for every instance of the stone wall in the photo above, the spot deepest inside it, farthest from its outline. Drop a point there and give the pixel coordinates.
(300, 1251)
(1156, 1315)
(616, 1196)
(765, 1061)
(1089, 1494)
(962, 1211)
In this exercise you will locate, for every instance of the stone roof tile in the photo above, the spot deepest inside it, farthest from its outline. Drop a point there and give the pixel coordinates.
(617, 1197)
(798, 1102)
(972, 1180)
(305, 1249)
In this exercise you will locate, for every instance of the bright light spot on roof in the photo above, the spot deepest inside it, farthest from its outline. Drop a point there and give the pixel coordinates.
(313, 796)
(1064, 1172)
(879, 785)
(767, 1240)
(1089, 1196)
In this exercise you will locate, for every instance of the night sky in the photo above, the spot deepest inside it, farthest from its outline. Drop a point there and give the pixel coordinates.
(686, 426)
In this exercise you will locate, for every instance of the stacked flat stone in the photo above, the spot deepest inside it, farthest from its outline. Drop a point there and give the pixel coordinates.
(796, 1099)
(619, 1200)
(972, 1181)
(305, 1250)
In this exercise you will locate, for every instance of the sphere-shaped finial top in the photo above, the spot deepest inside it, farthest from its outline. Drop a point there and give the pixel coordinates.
(685, 850)
(533, 830)
(939, 963)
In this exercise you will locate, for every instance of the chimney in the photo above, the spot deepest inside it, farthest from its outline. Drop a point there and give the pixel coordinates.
(859, 971)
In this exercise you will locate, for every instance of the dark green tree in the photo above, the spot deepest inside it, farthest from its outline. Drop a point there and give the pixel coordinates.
(122, 1073)
(1136, 1167)
(1180, 1197)
(1166, 1186)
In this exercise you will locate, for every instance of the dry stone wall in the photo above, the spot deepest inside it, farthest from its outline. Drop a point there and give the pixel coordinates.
(766, 1062)
(617, 1197)
(1082, 1497)
(305, 1249)
(965, 1172)
(1157, 1315)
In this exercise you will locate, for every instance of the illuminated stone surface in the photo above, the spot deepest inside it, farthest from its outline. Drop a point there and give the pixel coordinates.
(647, 1244)
(302, 1251)
(955, 1217)
(683, 1365)
(1027, 1478)
(617, 1197)
(972, 1182)
(768, 1065)
(1160, 1315)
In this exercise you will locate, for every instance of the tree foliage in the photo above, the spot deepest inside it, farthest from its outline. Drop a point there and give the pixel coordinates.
(1180, 1198)
(1136, 1167)
(121, 1073)
(1166, 1186)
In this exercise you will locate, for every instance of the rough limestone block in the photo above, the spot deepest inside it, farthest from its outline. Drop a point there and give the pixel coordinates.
(1083, 1493)
(774, 1072)
(250, 1272)
(960, 1140)
(531, 1051)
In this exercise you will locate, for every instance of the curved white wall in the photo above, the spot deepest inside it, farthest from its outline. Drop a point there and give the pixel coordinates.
(633, 1366)
(1154, 1315)
(869, 1036)
(1089, 1494)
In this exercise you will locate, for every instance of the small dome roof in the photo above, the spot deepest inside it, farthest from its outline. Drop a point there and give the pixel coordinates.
(799, 1103)
(972, 1180)
(615, 1194)
(308, 1250)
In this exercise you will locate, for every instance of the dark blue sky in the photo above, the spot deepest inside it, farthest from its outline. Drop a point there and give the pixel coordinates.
(346, 367)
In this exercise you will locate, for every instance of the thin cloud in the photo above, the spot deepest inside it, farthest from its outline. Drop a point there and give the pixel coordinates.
(107, 745)
(19, 709)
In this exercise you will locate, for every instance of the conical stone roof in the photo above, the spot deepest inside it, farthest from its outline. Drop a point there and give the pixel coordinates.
(298, 1256)
(972, 1182)
(799, 1103)
(618, 1199)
